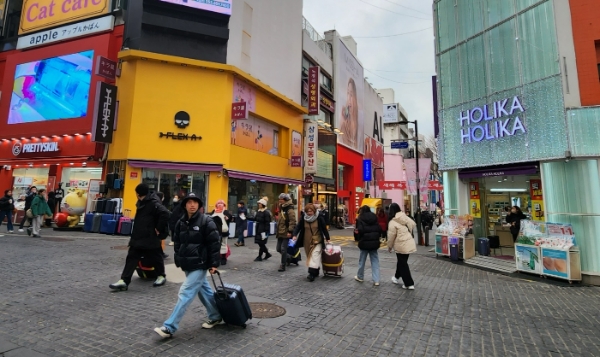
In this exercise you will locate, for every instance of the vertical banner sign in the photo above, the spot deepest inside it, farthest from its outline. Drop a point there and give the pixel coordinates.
(296, 149)
(313, 90)
(310, 150)
(104, 113)
(537, 199)
(475, 200)
(367, 170)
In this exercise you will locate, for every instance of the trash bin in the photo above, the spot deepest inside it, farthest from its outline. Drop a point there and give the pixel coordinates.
(483, 246)
(454, 249)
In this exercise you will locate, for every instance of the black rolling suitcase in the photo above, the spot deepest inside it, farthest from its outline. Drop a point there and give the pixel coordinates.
(232, 303)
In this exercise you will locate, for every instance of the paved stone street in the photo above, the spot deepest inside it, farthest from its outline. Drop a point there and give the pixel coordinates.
(55, 301)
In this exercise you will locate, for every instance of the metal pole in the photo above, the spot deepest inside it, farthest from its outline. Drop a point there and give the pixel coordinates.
(375, 177)
(418, 215)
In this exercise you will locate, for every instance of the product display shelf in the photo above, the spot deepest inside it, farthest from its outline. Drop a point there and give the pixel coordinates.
(562, 263)
(466, 245)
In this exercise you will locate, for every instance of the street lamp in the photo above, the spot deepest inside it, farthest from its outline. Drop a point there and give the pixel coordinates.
(418, 213)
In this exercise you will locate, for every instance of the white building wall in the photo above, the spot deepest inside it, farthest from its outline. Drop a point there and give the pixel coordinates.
(265, 40)
(313, 50)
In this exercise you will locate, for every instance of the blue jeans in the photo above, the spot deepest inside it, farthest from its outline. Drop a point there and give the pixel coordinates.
(8, 215)
(196, 283)
(241, 237)
(374, 256)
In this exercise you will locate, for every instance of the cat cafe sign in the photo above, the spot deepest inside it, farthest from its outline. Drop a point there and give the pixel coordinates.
(35, 149)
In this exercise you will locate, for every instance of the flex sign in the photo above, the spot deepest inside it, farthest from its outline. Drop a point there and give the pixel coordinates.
(40, 14)
(492, 121)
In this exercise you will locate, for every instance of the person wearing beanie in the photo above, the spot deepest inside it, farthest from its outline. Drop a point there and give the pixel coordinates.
(286, 223)
(263, 224)
(150, 228)
(222, 217)
(197, 247)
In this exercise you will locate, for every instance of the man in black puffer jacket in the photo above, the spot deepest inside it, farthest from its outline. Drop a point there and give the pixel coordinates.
(150, 227)
(368, 232)
(197, 249)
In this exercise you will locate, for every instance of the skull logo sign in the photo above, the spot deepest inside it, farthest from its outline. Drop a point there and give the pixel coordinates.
(182, 120)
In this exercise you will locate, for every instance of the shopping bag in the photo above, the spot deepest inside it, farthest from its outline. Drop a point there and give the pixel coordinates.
(272, 227)
(292, 243)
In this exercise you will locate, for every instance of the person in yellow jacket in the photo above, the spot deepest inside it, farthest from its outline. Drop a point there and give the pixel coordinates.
(401, 240)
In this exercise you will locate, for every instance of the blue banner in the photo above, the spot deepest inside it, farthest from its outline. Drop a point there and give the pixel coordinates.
(367, 170)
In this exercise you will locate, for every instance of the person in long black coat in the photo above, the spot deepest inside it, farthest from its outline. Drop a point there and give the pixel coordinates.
(514, 219)
(241, 223)
(263, 223)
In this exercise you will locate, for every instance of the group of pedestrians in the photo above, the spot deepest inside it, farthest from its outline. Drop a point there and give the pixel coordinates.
(37, 209)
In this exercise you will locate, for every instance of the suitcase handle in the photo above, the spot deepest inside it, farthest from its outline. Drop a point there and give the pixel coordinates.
(213, 279)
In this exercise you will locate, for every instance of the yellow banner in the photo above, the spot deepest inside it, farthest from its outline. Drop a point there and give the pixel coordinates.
(475, 208)
(537, 210)
(41, 14)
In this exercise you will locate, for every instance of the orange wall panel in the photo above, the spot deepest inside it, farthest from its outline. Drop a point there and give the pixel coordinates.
(585, 16)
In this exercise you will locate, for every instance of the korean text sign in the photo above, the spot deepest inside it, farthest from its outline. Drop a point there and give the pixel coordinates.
(310, 150)
(313, 90)
(40, 14)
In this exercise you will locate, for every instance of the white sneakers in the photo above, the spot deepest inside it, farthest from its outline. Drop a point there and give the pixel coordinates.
(358, 279)
(21, 230)
(394, 280)
(412, 287)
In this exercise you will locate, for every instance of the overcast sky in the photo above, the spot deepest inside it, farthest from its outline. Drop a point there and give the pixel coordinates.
(404, 63)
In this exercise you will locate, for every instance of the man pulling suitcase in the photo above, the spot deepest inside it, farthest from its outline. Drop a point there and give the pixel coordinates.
(197, 250)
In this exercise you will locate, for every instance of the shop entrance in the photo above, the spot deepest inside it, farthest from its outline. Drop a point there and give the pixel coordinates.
(176, 183)
(498, 194)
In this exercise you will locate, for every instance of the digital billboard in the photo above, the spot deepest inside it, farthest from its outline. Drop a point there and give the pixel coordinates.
(218, 6)
(51, 89)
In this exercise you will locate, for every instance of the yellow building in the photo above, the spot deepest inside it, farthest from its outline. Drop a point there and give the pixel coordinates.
(175, 132)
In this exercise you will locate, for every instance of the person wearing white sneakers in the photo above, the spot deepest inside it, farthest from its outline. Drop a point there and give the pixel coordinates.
(197, 251)
(401, 240)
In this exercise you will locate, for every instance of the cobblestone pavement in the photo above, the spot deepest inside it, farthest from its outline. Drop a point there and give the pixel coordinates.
(55, 301)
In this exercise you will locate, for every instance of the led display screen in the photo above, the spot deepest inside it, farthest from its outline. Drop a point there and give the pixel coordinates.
(218, 6)
(51, 89)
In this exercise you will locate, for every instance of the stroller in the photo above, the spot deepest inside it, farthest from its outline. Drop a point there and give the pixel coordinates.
(294, 255)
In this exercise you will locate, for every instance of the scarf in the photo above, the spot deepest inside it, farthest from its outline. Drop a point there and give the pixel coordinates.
(311, 219)
(262, 209)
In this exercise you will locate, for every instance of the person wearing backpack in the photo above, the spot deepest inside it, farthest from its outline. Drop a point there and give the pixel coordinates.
(197, 251)
(150, 228)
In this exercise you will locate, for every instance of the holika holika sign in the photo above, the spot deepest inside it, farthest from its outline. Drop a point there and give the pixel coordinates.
(492, 121)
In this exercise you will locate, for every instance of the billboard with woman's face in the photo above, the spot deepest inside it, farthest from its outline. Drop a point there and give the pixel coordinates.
(349, 89)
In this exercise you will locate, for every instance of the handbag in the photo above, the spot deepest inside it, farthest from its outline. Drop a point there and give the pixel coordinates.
(29, 213)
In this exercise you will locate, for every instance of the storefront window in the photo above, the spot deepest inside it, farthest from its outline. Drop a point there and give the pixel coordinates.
(250, 192)
(340, 177)
(80, 177)
(176, 183)
(24, 178)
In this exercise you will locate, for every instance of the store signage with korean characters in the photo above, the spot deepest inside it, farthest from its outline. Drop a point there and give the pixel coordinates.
(40, 14)
(106, 68)
(310, 150)
(296, 160)
(392, 185)
(367, 170)
(435, 186)
(328, 103)
(67, 32)
(239, 111)
(492, 121)
(104, 113)
(314, 91)
(474, 200)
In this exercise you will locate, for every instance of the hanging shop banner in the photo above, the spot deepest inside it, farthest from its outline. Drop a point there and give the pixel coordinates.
(313, 90)
(537, 199)
(104, 113)
(67, 32)
(244, 92)
(411, 175)
(40, 14)
(311, 141)
(367, 170)
(474, 199)
(239, 110)
(296, 149)
(255, 134)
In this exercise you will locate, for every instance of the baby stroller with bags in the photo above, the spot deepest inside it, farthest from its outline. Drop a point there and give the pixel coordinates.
(294, 255)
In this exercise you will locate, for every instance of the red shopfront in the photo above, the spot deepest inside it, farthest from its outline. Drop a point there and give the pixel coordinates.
(350, 185)
(46, 112)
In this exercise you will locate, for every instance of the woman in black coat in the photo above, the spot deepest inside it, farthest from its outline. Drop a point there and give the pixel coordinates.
(263, 224)
(514, 219)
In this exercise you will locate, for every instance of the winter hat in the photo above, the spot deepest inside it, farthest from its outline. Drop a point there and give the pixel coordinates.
(142, 189)
(192, 196)
(263, 201)
(285, 197)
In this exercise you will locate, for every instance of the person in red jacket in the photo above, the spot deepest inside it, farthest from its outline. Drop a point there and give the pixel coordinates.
(382, 219)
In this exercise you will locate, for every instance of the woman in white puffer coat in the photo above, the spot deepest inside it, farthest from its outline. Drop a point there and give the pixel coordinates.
(401, 240)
